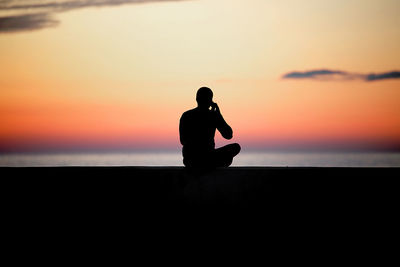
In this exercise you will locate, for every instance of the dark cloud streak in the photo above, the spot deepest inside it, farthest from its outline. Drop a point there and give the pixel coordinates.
(338, 75)
(313, 74)
(37, 14)
(28, 22)
(383, 76)
(57, 6)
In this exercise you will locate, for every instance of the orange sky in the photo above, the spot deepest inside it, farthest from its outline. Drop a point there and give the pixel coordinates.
(120, 77)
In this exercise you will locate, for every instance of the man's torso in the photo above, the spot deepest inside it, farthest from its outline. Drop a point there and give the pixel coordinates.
(198, 130)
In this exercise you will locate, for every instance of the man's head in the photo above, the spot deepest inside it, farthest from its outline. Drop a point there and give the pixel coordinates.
(204, 97)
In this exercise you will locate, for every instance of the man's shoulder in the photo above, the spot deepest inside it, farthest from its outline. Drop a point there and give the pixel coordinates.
(189, 112)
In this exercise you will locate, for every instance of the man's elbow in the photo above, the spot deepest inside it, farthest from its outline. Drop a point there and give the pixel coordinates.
(226, 132)
(228, 136)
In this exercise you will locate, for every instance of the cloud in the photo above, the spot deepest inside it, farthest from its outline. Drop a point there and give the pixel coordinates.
(26, 22)
(316, 74)
(383, 76)
(27, 15)
(338, 75)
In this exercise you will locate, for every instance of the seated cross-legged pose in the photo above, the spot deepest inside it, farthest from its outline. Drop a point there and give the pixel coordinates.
(197, 130)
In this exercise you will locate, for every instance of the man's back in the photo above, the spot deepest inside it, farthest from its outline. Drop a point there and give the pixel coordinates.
(197, 130)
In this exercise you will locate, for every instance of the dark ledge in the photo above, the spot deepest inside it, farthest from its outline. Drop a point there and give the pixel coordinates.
(166, 188)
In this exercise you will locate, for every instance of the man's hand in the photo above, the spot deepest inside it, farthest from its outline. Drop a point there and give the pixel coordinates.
(215, 108)
(222, 126)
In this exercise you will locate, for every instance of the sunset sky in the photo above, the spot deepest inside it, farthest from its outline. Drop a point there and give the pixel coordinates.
(117, 75)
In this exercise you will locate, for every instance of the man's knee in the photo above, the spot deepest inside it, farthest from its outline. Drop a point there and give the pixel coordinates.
(236, 148)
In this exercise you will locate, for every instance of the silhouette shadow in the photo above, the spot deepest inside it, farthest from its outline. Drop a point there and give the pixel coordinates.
(197, 129)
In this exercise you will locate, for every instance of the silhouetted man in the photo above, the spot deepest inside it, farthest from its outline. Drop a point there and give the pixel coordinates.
(197, 130)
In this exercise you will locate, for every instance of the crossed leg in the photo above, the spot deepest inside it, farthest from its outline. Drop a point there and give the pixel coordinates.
(223, 156)
(220, 157)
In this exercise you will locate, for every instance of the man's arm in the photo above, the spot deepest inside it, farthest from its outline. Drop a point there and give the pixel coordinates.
(222, 126)
(182, 130)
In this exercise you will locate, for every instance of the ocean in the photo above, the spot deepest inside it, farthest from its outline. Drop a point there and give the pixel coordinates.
(259, 158)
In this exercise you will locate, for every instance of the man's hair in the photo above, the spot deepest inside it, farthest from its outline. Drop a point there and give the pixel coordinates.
(204, 93)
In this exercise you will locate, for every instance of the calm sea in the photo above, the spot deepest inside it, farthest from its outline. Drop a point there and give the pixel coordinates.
(312, 159)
